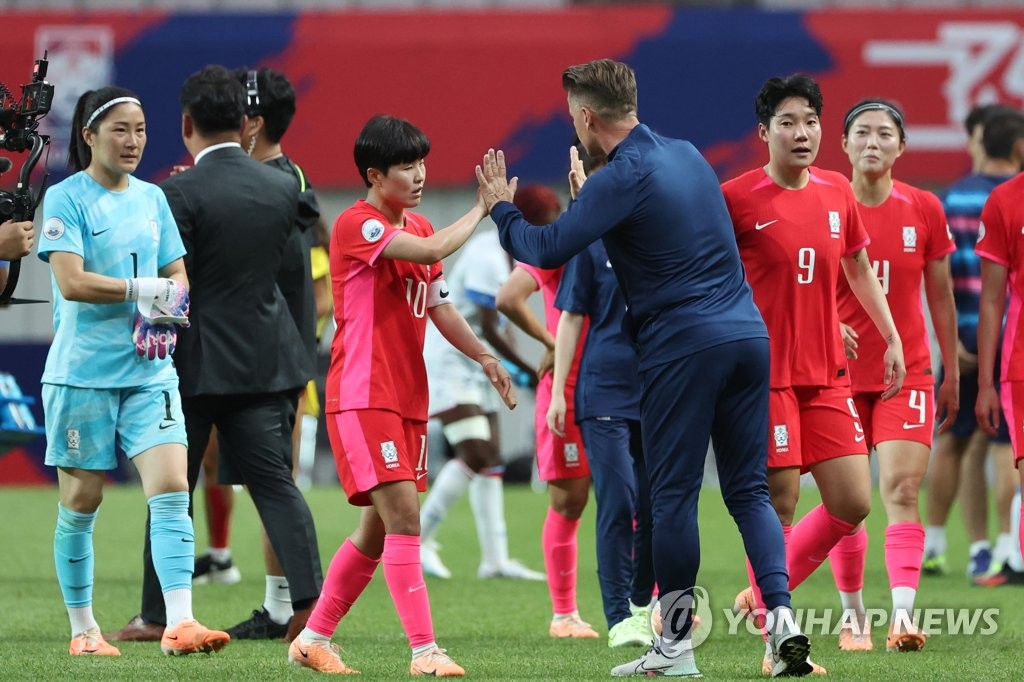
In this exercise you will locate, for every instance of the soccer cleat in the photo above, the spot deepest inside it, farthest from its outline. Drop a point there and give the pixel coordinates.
(91, 643)
(787, 654)
(210, 571)
(511, 569)
(435, 663)
(431, 561)
(979, 564)
(571, 627)
(632, 631)
(906, 640)
(852, 640)
(934, 564)
(189, 637)
(1005, 576)
(259, 626)
(321, 656)
(654, 663)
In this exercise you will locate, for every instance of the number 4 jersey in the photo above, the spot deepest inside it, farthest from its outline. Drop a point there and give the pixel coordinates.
(380, 306)
(907, 230)
(791, 243)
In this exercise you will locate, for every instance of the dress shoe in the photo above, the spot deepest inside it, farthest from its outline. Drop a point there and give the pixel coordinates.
(137, 630)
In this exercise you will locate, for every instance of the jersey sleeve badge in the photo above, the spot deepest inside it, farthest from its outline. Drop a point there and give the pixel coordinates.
(373, 230)
(54, 228)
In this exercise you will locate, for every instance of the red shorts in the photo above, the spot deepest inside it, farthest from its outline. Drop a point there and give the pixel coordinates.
(373, 447)
(812, 424)
(909, 415)
(1011, 395)
(558, 458)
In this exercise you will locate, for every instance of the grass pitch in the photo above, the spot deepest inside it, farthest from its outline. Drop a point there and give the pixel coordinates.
(495, 629)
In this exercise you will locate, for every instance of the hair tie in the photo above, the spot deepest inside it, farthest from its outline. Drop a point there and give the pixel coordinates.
(112, 103)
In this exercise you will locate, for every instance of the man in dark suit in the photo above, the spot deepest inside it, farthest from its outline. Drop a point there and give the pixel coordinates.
(242, 362)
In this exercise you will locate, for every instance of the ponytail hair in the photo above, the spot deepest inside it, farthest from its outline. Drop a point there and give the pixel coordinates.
(90, 110)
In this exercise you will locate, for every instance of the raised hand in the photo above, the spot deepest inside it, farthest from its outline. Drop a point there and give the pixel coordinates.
(577, 176)
(492, 177)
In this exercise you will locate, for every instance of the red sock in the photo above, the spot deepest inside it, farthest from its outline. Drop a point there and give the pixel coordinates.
(404, 575)
(220, 500)
(813, 538)
(347, 576)
(904, 549)
(848, 557)
(560, 550)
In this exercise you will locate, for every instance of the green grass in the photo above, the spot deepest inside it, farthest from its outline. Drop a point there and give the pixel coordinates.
(496, 629)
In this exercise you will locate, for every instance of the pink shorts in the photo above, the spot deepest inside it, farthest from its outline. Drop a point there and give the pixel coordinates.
(558, 458)
(909, 415)
(812, 424)
(373, 447)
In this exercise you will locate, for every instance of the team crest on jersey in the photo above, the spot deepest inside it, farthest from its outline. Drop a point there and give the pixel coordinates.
(834, 224)
(981, 231)
(74, 439)
(572, 455)
(390, 454)
(909, 239)
(781, 434)
(373, 230)
(54, 228)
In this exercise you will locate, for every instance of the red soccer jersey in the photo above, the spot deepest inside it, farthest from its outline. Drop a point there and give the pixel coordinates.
(907, 231)
(548, 281)
(791, 243)
(380, 307)
(999, 240)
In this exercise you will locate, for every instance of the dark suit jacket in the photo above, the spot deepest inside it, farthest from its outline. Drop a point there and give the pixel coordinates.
(235, 216)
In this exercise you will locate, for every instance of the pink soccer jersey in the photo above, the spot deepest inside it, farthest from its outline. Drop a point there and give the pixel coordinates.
(380, 306)
(791, 243)
(907, 231)
(999, 240)
(548, 280)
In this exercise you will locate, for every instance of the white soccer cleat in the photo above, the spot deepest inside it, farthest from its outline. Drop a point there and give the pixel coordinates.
(788, 655)
(431, 560)
(632, 631)
(654, 663)
(511, 569)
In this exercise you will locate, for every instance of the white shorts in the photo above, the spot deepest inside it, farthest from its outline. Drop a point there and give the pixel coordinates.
(454, 379)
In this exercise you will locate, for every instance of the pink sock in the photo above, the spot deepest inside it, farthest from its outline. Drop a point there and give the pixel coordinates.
(813, 538)
(404, 575)
(904, 549)
(848, 558)
(347, 576)
(560, 549)
(758, 600)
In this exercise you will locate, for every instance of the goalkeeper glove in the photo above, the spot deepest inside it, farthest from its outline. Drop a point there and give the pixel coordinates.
(160, 300)
(153, 341)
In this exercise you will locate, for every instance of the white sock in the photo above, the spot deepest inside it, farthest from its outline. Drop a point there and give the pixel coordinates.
(1004, 547)
(179, 606)
(448, 487)
(935, 540)
(309, 637)
(420, 650)
(219, 554)
(978, 546)
(1015, 559)
(487, 498)
(903, 605)
(277, 599)
(81, 619)
(853, 601)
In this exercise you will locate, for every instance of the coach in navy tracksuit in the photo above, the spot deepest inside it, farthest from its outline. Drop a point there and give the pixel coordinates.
(702, 343)
(607, 408)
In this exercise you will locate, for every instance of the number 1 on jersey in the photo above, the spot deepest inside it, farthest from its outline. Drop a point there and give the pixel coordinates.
(417, 302)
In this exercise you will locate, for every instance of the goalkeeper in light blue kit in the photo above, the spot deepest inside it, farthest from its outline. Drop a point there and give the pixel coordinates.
(119, 290)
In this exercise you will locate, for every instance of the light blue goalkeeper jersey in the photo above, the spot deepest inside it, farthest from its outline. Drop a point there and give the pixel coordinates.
(118, 234)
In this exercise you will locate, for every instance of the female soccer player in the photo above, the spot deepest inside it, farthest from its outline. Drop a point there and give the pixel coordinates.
(386, 278)
(116, 257)
(798, 231)
(909, 241)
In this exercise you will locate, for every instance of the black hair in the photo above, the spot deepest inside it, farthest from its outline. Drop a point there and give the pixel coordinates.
(1004, 126)
(277, 100)
(875, 104)
(386, 141)
(79, 153)
(214, 99)
(775, 90)
(977, 116)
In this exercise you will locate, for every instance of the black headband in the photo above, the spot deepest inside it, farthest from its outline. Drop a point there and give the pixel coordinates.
(872, 106)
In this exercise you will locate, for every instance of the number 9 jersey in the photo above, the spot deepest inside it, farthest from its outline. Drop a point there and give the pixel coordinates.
(380, 306)
(791, 242)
